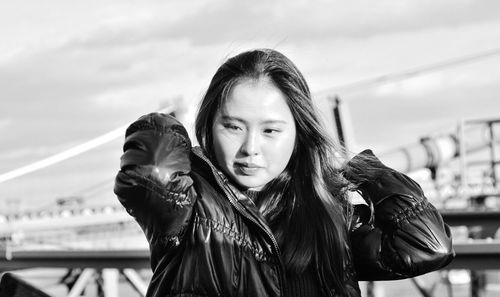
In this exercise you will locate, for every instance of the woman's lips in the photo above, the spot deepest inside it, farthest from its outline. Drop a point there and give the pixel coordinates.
(247, 168)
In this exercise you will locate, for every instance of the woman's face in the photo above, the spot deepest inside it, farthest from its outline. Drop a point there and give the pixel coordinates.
(254, 133)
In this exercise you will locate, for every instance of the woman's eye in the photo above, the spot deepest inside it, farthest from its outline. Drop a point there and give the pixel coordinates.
(232, 127)
(271, 131)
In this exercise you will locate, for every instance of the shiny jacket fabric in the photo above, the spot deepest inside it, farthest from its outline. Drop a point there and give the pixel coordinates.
(207, 238)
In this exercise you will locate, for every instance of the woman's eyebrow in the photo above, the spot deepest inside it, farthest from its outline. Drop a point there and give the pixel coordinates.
(274, 122)
(269, 121)
(231, 118)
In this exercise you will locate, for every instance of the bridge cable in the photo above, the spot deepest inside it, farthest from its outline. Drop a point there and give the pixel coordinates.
(72, 152)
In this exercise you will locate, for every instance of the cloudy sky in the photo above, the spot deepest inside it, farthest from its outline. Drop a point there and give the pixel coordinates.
(71, 71)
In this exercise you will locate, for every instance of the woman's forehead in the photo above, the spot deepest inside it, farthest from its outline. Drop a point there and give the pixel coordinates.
(256, 100)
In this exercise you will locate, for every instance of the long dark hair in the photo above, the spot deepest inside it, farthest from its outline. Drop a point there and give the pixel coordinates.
(306, 205)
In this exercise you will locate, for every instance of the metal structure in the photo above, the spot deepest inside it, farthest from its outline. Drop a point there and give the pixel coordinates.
(437, 150)
(108, 265)
(433, 152)
(105, 264)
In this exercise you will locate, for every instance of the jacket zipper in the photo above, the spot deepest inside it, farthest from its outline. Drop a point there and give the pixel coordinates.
(244, 213)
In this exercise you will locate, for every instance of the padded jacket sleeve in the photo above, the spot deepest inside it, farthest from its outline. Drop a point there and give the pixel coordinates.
(153, 183)
(401, 234)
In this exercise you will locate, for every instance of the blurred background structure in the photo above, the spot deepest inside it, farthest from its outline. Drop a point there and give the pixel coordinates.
(417, 82)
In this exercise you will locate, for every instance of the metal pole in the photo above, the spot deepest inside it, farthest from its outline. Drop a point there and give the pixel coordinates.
(110, 279)
(338, 121)
(492, 155)
(81, 282)
(463, 158)
(135, 280)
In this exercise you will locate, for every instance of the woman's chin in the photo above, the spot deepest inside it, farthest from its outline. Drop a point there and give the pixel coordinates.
(250, 183)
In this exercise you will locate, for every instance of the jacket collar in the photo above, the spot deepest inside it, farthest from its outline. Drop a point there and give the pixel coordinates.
(231, 192)
(242, 203)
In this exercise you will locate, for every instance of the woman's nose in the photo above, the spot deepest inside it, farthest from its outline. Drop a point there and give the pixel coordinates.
(251, 145)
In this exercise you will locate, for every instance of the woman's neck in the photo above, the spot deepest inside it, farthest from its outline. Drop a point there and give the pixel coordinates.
(252, 194)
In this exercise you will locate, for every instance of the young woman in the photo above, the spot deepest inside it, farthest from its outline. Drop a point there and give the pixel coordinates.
(260, 208)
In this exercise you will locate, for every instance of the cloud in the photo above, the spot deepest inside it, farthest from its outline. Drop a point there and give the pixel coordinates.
(392, 119)
(69, 177)
(349, 66)
(207, 23)
(5, 123)
(31, 25)
(71, 92)
(149, 47)
(81, 70)
(29, 153)
(322, 20)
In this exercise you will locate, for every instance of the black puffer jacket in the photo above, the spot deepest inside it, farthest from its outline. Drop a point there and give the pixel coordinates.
(208, 239)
